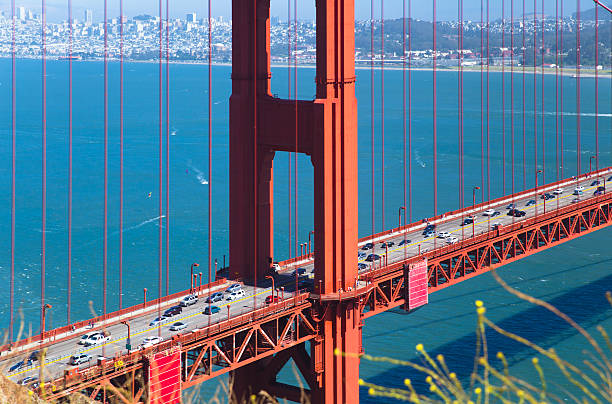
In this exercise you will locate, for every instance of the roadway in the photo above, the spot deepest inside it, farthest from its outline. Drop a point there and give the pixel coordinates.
(58, 354)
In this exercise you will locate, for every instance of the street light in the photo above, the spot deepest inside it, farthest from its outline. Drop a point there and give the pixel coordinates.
(590, 166)
(144, 304)
(195, 264)
(474, 207)
(200, 288)
(399, 214)
(128, 342)
(272, 278)
(44, 310)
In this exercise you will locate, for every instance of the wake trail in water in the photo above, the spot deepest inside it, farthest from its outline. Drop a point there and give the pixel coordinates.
(199, 175)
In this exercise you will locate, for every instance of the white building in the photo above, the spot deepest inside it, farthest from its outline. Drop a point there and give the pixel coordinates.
(88, 17)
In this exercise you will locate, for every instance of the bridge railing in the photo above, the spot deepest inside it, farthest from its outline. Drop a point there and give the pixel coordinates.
(99, 322)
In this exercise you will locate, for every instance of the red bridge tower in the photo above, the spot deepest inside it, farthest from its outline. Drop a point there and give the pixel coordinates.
(326, 129)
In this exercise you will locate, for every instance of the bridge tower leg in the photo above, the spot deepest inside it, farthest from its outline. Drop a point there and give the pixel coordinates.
(326, 128)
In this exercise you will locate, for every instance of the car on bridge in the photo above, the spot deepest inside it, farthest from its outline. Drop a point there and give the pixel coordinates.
(367, 246)
(452, 240)
(402, 242)
(596, 182)
(275, 267)
(98, 338)
(443, 234)
(215, 297)
(158, 321)
(467, 221)
(598, 192)
(488, 212)
(516, 213)
(429, 229)
(530, 202)
(235, 295)
(373, 257)
(210, 311)
(149, 342)
(547, 196)
(579, 188)
(21, 364)
(79, 358)
(578, 192)
(31, 382)
(272, 299)
(84, 338)
(511, 206)
(361, 266)
(387, 244)
(300, 271)
(173, 311)
(610, 178)
(558, 191)
(233, 288)
(179, 325)
(188, 300)
(361, 254)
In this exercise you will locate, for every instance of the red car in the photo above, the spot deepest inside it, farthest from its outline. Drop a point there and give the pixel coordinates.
(272, 299)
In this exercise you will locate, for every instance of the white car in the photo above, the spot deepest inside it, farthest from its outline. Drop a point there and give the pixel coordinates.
(188, 300)
(149, 342)
(158, 321)
(79, 358)
(443, 234)
(489, 212)
(558, 191)
(179, 325)
(97, 339)
(84, 338)
(579, 188)
(235, 295)
(452, 240)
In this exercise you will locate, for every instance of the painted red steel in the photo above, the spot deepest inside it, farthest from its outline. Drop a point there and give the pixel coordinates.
(417, 285)
(165, 377)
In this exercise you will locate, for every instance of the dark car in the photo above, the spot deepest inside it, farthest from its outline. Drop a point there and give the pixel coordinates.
(496, 213)
(511, 206)
(429, 229)
(373, 257)
(27, 381)
(602, 189)
(547, 196)
(530, 202)
(215, 297)
(467, 221)
(21, 364)
(597, 193)
(362, 266)
(429, 234)
(401, 243)
(367, 246)
(596, 182)
(516, 213)
(173, 311)
(387, 244)
(212, 310)
(610, 178)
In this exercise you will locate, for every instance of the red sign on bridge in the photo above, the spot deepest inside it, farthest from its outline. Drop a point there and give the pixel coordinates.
(417, 285)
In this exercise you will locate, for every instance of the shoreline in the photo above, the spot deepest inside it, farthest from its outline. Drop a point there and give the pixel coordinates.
(585, 72)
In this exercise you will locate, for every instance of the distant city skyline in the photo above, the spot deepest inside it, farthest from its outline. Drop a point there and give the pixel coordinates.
(446, 9)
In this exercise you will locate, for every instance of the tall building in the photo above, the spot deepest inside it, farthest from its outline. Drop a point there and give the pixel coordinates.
(191, 17)
(21, 13)
(88, 17)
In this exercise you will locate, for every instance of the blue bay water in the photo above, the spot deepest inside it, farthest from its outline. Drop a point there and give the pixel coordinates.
(574, 276)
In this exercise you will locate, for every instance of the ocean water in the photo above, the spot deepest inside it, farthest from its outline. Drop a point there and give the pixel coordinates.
(574, 277)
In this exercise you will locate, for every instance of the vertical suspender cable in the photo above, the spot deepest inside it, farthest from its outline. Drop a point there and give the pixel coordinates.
(382, 110)
(482, 187)
(105, 248)
(578, 89)
(557, 89)
(289, 157)
(535, 108)
(168, 148)
(459, 117)
(435, 128)
(120, 154)
(13, 135)
(372, 110)
(255, 154)
(70, 38)
(44, 165)
(160, 162)
(410, 111)
(596, 86)
(295, 97)
(512, 93)
(524, 138)
(561, 93)
(503, 96)
(210, 181)
(542, 101)
(488, 109)
(404, 105)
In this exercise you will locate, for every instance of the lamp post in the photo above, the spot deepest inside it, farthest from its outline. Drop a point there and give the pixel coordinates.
(309, 245)
(399, 216)
(128, 342)
(195, 264)
(44, 311)
(474, 207)
(200, 288)
(282, 292)
(272, 278)
(536, 190)
(144, 303)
